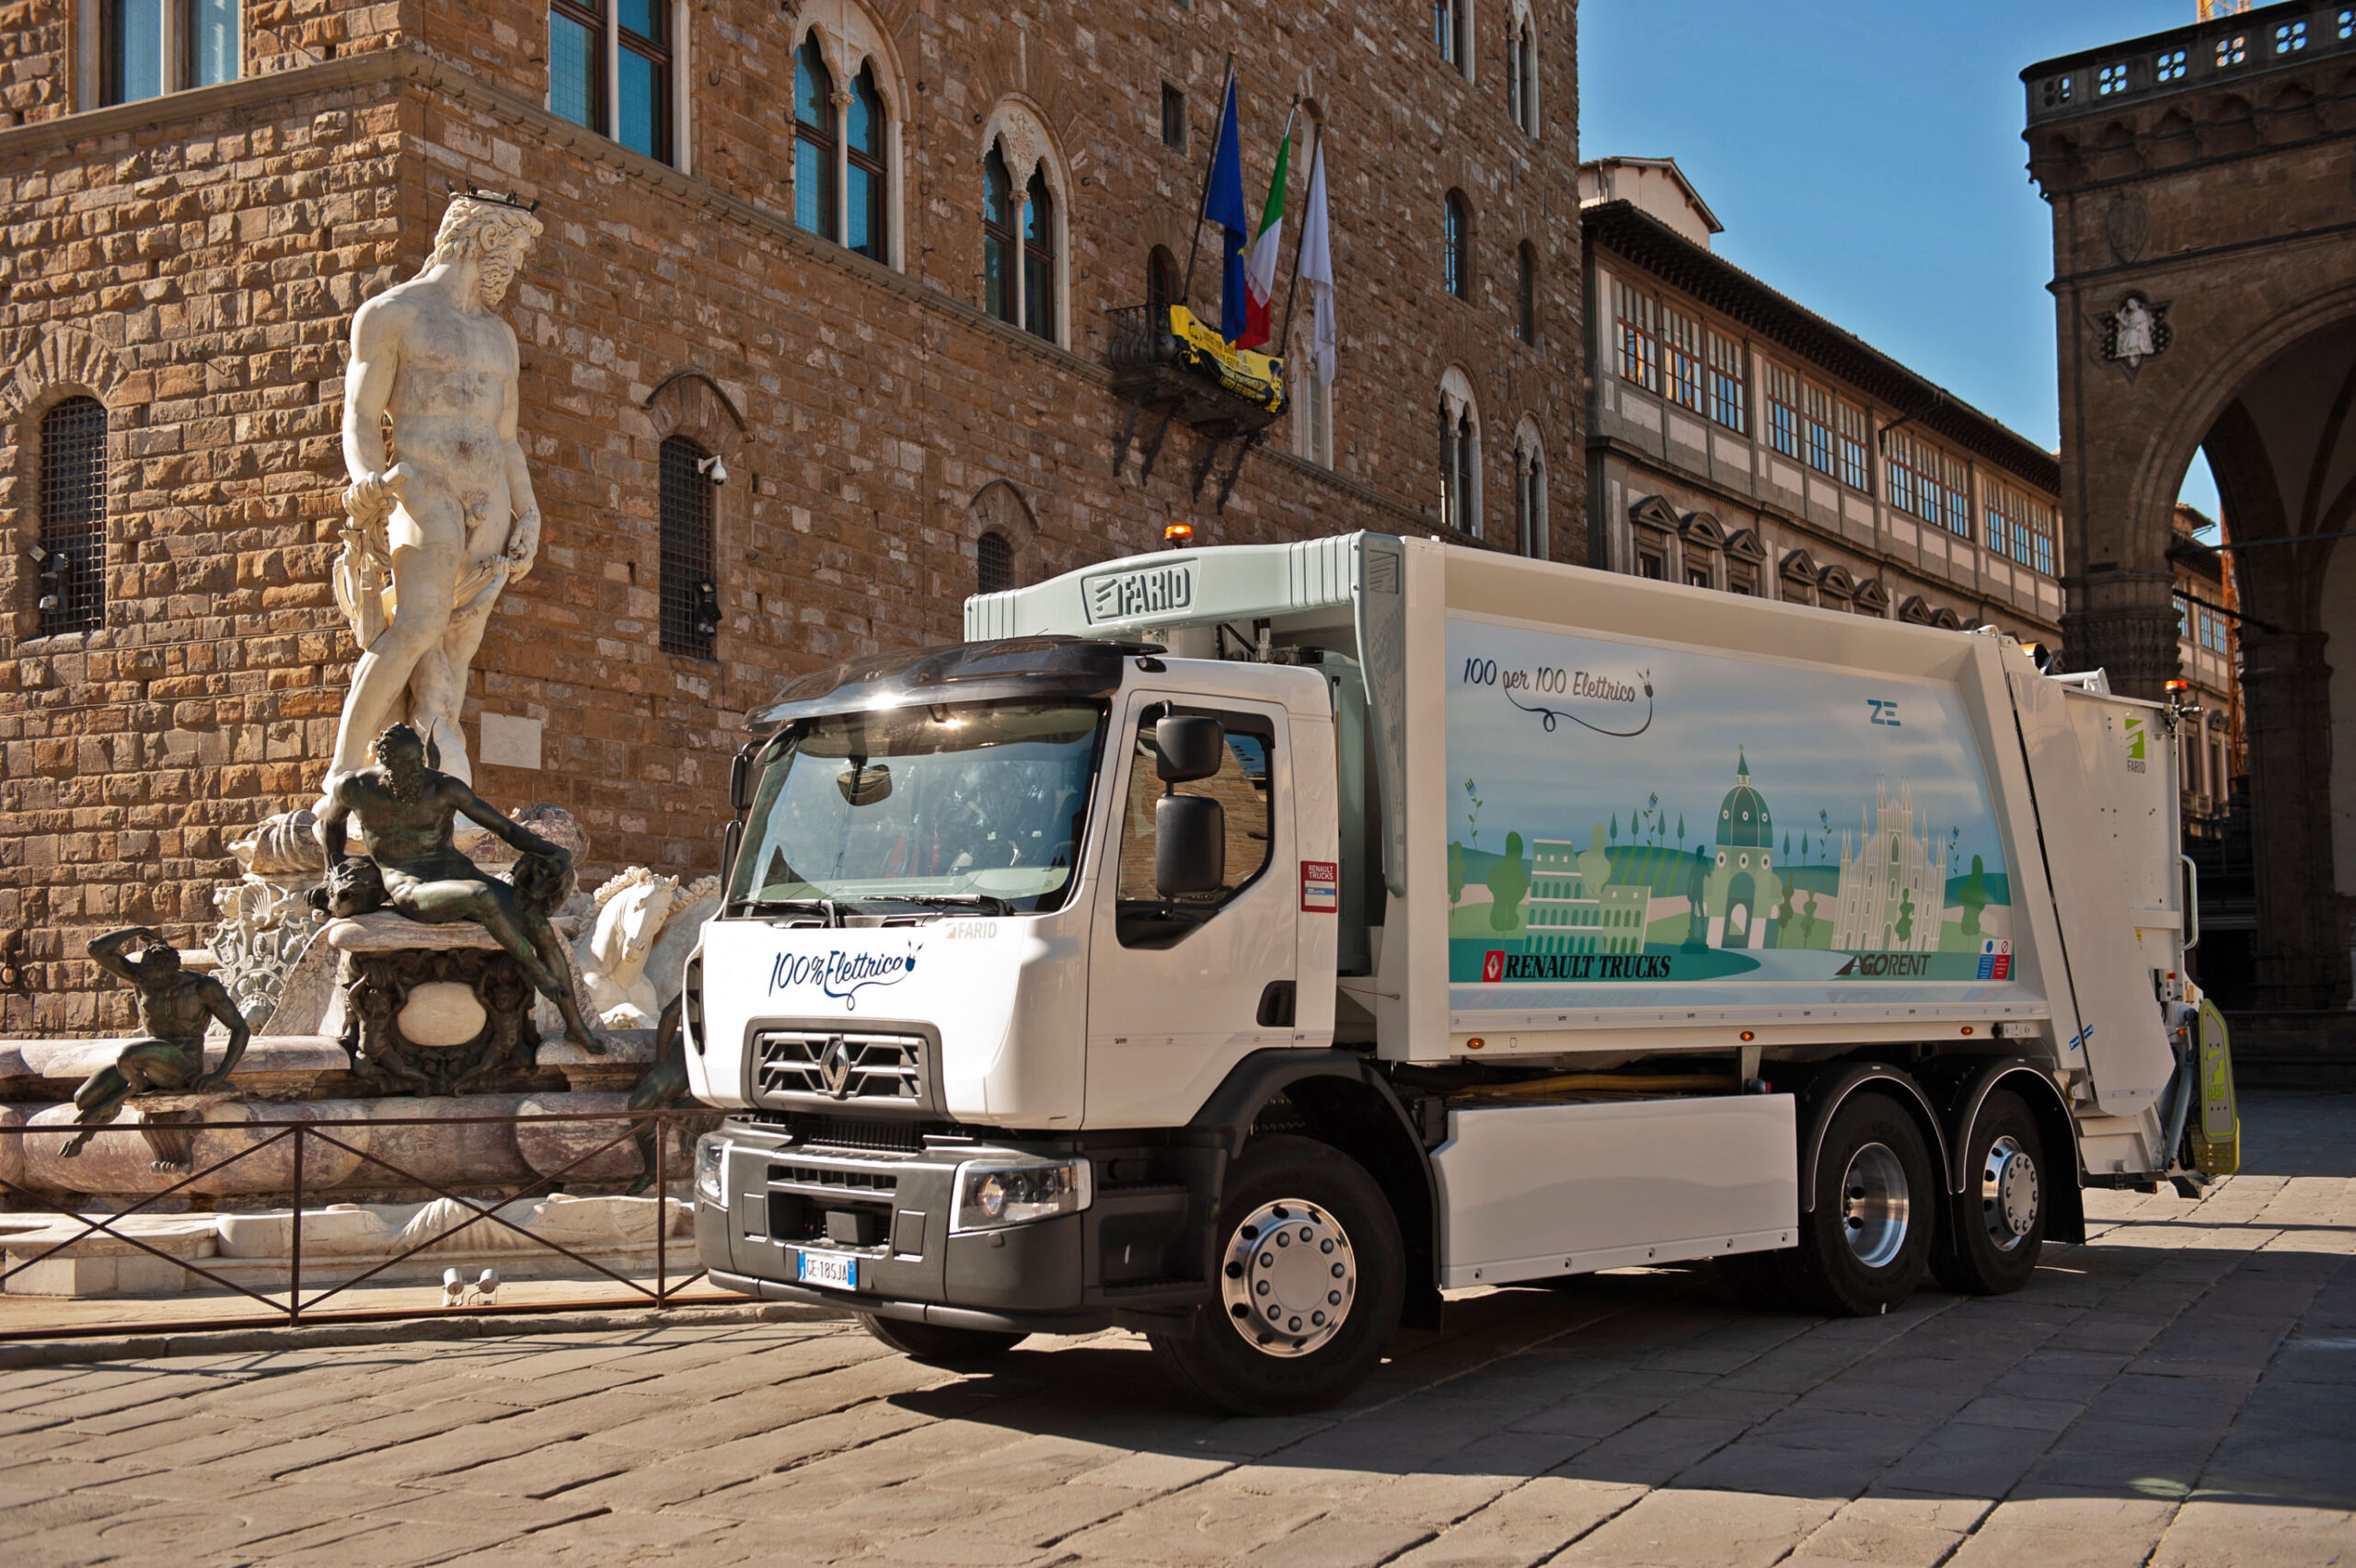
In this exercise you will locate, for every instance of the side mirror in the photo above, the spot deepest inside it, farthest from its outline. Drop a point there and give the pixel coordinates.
(1189, 844)
(732, 839)
(1189, 748)
(740, 781)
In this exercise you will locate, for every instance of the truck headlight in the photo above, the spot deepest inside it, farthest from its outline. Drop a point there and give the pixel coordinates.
(1016, 1190)
(711, 1171)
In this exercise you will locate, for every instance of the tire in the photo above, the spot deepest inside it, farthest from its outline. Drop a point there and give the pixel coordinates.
(937, 1343)
(1995, 1227)
(1301, 1194)
(1863, 1248)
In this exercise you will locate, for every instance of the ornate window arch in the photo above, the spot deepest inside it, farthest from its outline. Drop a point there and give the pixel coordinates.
(1004, 532)
(1460, 453)
(1521, 68)
(1035, 177)
(71, 472)
(850, 153)
(1530, 535)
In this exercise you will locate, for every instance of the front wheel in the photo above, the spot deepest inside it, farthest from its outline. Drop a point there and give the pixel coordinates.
(1311, 1277)
(1995, 1229)
(939, 1343)
(1864, 1246)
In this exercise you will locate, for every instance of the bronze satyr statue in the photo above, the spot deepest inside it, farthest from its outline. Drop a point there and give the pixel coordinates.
(405, 809)
(174, 1007)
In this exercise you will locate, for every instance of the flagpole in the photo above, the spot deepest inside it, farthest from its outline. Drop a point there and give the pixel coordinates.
(1292, 290)
(1203, 207)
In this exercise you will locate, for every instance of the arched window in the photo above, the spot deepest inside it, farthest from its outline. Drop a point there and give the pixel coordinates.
(1530, 492)
(70, 572)
(1522, 73)
(1039, 258)
(993, 563)
(1160, 285)
(1526, 294)
(1456, 261)
(814, 142)
(689, 593)
(1460, 456)
(863, 153)
(998, 257)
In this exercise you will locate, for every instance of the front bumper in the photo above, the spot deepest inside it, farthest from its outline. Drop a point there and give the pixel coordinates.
(1123, 1261)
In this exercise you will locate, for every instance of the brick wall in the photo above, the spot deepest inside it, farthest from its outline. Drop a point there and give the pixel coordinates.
(203, 266)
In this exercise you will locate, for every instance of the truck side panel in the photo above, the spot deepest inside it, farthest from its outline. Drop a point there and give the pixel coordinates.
(1528, 1191)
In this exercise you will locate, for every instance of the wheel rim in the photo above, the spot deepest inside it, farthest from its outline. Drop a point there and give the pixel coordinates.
(1874, 1205)
(2008, 1194)
(1288, 1277)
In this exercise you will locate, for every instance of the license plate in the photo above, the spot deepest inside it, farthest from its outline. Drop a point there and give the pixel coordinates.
(833, 1269)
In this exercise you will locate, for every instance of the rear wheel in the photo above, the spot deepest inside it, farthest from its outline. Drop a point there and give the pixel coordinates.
(1862, 1247)
(937, 1342)
(1311, 1276)
(1995, 1229)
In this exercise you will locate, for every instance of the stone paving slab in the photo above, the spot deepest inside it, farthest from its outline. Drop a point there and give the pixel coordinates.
(2179, 1393)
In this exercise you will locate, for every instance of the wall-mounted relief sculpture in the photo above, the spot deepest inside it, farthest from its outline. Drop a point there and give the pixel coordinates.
(2134, 332)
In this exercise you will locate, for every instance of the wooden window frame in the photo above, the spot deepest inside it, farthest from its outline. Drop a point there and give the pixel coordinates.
(1729, 385)
(876, 166)
(825, 139)
(1637, 328)
(1681, 347)
(1008, 308)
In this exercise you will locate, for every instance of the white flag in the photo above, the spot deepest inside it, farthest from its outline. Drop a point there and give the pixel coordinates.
(1317, 268)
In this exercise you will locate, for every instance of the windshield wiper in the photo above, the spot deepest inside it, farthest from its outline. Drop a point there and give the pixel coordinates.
(823, 907)
(989, 903)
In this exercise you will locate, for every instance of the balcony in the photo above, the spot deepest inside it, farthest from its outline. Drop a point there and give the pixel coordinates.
(1172, 369)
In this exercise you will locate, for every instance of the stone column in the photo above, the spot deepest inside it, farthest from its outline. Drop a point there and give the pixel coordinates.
(2123, 622)
(2301, 951)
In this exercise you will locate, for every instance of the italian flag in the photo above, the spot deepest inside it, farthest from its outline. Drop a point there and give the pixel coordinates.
(1260, 262)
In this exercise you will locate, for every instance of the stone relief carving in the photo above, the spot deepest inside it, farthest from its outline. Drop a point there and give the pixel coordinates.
(611, 955)
(2134, 332)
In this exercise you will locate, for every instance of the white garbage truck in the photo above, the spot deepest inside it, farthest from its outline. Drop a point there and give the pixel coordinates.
(1247, 946)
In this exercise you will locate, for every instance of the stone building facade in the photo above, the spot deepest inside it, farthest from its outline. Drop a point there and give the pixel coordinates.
(2209, 746)
(860, 255)
(1737, 441)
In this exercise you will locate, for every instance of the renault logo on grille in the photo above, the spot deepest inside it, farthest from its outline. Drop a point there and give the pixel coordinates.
(834, 1067)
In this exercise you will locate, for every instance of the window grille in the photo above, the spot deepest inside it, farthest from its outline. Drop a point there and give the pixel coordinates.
(1854, 471)
(1816, 404)
(1455, 259)
(1683, 335)
(1173, 117)
(1729, 390)
(1958, 483)
(814, 142)
(690, 592)
(1783, 411)
(643, 59)
(1639, 338)
(993, 564)
(72, 573)
(2020, 527)
(577, 61)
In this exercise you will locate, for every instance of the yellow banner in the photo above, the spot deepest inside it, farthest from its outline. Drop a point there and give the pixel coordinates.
(1260, 377)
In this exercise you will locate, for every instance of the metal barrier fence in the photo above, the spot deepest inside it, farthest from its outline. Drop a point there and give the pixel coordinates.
(299, 1304)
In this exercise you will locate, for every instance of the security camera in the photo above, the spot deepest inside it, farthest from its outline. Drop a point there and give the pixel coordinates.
(712, 468)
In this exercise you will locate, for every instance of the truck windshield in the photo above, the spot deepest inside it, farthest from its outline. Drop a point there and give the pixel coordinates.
(979, 803)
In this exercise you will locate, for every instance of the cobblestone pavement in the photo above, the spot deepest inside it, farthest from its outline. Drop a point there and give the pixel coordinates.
(2181, 1391)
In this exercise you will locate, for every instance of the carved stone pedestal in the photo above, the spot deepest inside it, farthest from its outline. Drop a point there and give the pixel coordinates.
(432, 1009)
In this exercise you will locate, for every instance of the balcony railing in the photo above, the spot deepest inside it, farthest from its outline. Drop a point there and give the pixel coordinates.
(2188, 58)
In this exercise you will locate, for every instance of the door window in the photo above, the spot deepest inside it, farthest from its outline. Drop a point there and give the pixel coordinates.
(1145, 918)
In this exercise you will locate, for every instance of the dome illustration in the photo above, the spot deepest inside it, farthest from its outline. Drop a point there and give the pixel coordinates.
(1743, 822)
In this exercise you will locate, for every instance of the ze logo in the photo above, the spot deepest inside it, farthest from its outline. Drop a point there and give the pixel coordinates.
(1885, 711)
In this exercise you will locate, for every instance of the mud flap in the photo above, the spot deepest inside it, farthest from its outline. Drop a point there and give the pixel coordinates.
(2217, 1134)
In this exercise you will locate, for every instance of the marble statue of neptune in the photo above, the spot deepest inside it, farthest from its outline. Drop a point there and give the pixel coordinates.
(441, 513)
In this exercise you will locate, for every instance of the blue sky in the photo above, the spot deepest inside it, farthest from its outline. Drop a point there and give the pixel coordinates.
(1866, 159)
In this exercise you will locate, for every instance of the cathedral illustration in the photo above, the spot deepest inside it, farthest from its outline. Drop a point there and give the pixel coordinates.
(1893, 884)
(1742, 889)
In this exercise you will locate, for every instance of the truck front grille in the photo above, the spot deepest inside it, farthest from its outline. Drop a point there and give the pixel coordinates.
(842, 1068)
